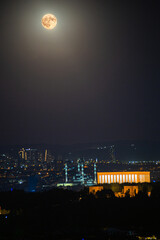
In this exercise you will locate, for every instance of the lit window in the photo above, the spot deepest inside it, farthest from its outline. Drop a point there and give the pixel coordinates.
(100, 179)
(132, 177)
(115, 178)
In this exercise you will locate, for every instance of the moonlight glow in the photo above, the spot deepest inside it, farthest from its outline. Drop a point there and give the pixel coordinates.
(49, 21)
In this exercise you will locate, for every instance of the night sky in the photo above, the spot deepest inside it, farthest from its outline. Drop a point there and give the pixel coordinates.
(95, 77)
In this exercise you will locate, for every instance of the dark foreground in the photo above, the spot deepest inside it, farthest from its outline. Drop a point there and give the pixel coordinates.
(63, 214)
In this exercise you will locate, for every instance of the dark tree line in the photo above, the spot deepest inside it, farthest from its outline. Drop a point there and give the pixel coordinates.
(65, 214)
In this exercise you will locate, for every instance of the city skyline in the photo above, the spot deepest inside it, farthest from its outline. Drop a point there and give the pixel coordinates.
(95, 77)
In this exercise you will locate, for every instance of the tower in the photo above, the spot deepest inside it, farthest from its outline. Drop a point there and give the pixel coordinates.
(25, 156)
(95, 173)
(66, 176)
(22, 152)
(112, 154)
(78, 167)
(45, 158)
(82, 170)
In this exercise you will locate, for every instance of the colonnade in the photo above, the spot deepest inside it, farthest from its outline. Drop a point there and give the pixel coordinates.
(123, 177)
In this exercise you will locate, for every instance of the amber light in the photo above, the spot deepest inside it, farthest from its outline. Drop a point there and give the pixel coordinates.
(123, 177)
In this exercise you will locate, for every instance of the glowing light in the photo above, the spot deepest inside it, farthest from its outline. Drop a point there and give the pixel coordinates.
(122, 177)
(49, 21)
(111, 178)
(108, 178)
(102, 178)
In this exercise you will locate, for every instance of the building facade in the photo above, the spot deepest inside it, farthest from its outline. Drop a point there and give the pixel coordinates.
(123, 177)
(131, 190)
(95, 189)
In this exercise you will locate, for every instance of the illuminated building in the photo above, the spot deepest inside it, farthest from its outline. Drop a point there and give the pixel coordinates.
(78, 167)
(131, 190)
(26, 156)
(45, 158)
(59, 164)
(65, 184)
(66, 177)
(22, 152)
(147, 238)
(80, 177)
(82, 173)
(4, 211)
(94, 189)
(95, 173)
(123, 177)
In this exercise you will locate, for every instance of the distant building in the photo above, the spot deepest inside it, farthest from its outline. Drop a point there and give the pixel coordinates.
(59, 164)
(4, 211)
(95, 189)
(45, 157)
(147, 238)
(123, 177)
(22, 153)
(80, 176)
(130, 190)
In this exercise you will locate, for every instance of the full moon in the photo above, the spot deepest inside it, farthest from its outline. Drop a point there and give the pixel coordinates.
(49, 21)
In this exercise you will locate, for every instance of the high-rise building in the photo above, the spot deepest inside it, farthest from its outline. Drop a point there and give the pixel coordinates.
(25, 156)
(95, 173)
(66, 176)
(22, 153)
(45, 157)
(82, 170)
